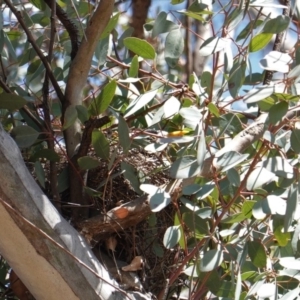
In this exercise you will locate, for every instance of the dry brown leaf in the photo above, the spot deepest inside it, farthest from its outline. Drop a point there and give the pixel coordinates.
(111, 243)
(136, 264)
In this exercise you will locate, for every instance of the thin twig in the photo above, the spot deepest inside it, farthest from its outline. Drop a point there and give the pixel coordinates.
(37, 49)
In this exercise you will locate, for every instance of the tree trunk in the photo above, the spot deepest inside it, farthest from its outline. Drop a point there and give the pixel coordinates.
(50, 257)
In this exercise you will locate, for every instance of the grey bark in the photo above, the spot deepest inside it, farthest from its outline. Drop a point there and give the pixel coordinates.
(50, 257)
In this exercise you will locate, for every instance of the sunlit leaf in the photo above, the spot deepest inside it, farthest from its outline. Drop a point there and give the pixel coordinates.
(174, 46)
(267, 290)
(290, 263)
(185, 167)
(213, 45)
(201, 149)
(229, 160)
(140, 47)
(260, 41)
(270, 205)
(139, 102)
(110, 26)
(159, 199)
(276, 61)
(291, 206)
(168, 110)
(134, 67)
(211, 260)
(258, 178)
(171, 236)
(279, 166)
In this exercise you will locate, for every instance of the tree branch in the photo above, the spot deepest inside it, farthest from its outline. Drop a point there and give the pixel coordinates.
(37, 49)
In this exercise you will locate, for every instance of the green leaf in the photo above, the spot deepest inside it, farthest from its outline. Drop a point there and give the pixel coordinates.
(229, 159)
(174, 2)
(260, 41)
(134, 67)
(279, 166)
(46, 153)
(277, 112)
(277, 25)
(211, 260)
(131, 174)
(100, 144)
(236, 77)
(201, 149)
(172, 236)
(139, 102)
(191, 116)
(82, 112)
(162, 25)
(257, 253)
(197, 225)
(110, 26)
(124, 137)
(290, 263)
(291, 206)
(205, 190)
(101, 51)
(185, 167)
(259, 93)
(174, 46)
(213, 45)
(63, 180)
(253, 24)
(140, 47)
(104, 99)
(282, 237)
(258, 178)
(271, 205)
(70, 117)
(11, 101)
(24, 136)
(159, 199)
(236, 218)
(213, 109)
(276, 61)
(40, 4)
(87, 163)
(247, 208)
(234, 177)
(295, 140)
(40, 173)
(168, 110)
